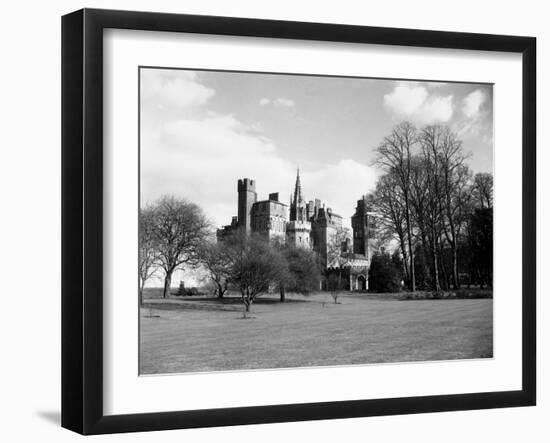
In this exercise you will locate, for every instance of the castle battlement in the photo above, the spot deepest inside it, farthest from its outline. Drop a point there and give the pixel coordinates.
(301, 226)
(246, 184)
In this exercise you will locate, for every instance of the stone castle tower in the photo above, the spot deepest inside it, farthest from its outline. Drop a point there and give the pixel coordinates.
(299, 227)
(361, 223)
(247, 197)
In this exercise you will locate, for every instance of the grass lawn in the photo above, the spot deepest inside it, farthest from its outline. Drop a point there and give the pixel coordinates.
(203, 334)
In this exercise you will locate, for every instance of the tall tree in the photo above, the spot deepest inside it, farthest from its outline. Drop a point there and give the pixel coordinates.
(482, 190)
(394, 154)
(419, 203)
(179, 229)
(480, 236)
(388, 204)
(148, 257)
(431, 138)
(455, 187)
(217, 259)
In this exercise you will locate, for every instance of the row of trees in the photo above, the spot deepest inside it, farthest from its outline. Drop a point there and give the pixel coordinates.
(175, 234)
(252, 266)
(437, 210)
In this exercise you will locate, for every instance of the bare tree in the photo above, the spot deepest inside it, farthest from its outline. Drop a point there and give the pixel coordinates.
(256, 267)
(423, 199)
(482, 190)
(148, 259)
(455, 184)
(419, 204)
(179, 229)
(431, 138)
(388, 204)
(218, 261)
(337, 259)
(394, 154)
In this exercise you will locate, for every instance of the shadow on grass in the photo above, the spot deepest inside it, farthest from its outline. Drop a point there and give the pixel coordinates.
(202, 303)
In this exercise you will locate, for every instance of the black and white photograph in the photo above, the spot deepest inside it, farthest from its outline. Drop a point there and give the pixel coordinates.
(295, 221)
(275, 222)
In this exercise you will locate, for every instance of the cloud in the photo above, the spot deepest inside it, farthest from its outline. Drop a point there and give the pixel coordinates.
(412, 101)
(173, 88)
(284, 102)
(476, 122)
(340, 185)
(201, 155)
(471, 104)
(280, 102)
(202, 159)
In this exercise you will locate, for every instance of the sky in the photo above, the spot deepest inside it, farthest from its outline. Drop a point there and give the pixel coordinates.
(203, 130)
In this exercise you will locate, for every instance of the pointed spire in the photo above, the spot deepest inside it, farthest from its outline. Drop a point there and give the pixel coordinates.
(298, 188)
(297, 207)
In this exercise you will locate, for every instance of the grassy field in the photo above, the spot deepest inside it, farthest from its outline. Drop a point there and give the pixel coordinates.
(203, 334)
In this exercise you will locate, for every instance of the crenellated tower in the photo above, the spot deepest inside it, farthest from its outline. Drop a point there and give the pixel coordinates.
(362, 223)
(247, 197)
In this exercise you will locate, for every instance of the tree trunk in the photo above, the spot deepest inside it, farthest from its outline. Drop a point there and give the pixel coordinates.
(220, 290)
(141, 293)
(405, 257)
(282, 293)
(444, 273)
(455, 268)
(167, 284)
(247, 304)
(437, 287)
(409, 240)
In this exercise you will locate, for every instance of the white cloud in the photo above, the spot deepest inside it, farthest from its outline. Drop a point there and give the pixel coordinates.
(406, 99)
(280, 102)
(412, 101)
(202, 160)
(340, 185)
(475, 125)
(437, 109)
(173, 88)
(284, 102)
(200, 156)
(471, 104)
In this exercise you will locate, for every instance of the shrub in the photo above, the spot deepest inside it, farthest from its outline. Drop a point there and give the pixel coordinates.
(385, 274)
(183, 291)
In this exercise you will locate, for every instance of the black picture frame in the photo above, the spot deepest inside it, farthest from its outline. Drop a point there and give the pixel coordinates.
(82, 220)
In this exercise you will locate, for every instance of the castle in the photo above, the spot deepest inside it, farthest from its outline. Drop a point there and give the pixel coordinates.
(308, 225)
